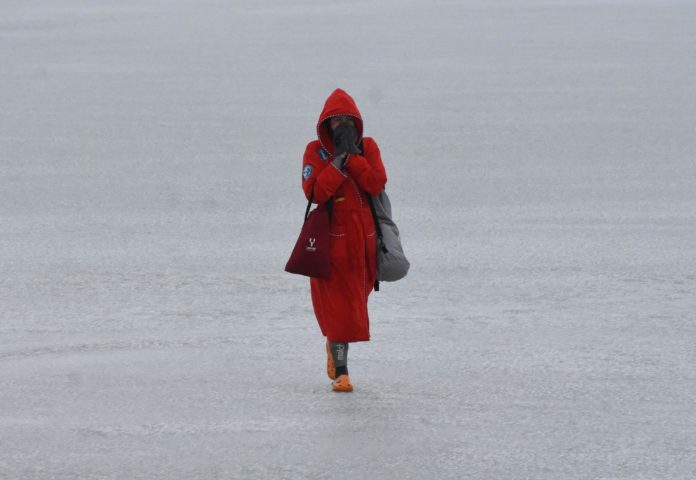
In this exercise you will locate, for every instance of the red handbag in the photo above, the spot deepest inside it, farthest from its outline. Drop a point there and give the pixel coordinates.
(312, 255)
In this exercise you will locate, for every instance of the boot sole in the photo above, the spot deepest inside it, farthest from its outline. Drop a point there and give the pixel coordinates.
(347, 387)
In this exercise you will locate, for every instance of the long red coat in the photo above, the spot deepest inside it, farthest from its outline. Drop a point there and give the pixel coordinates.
(340, 303)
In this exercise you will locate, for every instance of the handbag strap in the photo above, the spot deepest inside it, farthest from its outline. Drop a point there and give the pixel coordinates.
(328, 206)
(309, 204)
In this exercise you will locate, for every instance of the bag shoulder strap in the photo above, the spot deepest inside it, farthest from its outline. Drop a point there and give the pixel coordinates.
(378, 230)
(371, 201)
(378, 227)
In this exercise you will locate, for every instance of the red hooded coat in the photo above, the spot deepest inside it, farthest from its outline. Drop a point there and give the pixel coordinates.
(340, 303)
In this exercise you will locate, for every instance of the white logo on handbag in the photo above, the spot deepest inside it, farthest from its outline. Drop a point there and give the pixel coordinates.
(311, 247)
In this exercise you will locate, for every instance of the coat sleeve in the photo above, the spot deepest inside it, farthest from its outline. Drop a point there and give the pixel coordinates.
(368, 170)
(320, 175)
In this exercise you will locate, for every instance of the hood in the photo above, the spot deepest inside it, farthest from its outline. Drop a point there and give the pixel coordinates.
(338, 103)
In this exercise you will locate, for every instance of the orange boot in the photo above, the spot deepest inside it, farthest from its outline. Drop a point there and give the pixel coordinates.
(342, 384)
(330, 369)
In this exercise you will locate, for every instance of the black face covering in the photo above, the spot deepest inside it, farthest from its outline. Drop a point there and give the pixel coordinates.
(345, 138)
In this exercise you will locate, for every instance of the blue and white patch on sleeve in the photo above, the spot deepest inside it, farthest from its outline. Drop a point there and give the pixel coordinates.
(306, 172)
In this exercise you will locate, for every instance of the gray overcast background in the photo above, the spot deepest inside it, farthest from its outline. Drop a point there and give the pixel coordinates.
(541, 161)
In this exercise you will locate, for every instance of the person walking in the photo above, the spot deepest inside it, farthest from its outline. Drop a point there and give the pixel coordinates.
(344, 168)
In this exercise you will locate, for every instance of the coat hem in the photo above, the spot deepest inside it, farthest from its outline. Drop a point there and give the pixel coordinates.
(348, 341)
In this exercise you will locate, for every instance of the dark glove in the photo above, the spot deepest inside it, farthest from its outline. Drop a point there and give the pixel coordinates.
(345, 139)
(340, 160)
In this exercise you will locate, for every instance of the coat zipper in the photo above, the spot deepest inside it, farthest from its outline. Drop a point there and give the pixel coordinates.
(357, 191)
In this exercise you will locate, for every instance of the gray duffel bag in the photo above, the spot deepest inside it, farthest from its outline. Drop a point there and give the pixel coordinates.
(392, 264)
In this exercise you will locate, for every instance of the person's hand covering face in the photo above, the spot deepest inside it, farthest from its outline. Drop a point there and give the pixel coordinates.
(345, 138)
